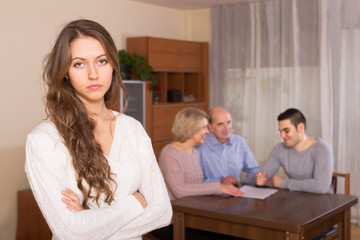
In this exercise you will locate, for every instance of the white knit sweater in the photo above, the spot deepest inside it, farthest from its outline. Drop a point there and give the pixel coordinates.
(49, 170)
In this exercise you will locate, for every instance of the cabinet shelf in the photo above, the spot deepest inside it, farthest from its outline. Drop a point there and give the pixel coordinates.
(181, 66)
(188, 84)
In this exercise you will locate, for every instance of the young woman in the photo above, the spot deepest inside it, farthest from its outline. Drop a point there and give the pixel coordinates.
(179, 160)
(92, 170)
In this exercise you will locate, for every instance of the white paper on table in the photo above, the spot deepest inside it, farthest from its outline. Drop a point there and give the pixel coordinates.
(258, 193)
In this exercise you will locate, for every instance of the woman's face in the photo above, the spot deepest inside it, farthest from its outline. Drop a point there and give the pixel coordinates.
(90, 72)
(198, 137)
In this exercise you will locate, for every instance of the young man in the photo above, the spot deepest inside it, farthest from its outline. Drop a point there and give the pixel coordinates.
(308, 162)
(224, 155)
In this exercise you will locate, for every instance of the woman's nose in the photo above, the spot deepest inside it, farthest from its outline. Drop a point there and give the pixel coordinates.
(93, 74)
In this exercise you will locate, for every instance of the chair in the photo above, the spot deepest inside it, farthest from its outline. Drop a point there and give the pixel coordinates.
(333, 235)
(346, 177)
(31, 224)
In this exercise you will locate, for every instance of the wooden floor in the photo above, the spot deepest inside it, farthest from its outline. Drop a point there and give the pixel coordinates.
(355, 231)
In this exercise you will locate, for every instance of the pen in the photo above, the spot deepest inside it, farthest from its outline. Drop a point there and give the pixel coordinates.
(269, 183)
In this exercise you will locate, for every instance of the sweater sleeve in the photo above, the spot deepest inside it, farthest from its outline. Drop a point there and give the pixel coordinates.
(322, 172)
(46, 168)
(173, 167)
(272, 164)
(158, 212)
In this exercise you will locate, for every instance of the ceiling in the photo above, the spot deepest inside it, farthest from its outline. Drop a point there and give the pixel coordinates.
(191, 4)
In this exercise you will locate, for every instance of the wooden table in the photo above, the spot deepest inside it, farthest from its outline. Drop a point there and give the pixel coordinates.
(284, 215)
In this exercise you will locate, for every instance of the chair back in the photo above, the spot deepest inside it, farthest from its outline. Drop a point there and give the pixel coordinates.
(346, 177)
(333, 234)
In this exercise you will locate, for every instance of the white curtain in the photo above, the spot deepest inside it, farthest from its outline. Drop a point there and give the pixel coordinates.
(270, 55)
(347, 115)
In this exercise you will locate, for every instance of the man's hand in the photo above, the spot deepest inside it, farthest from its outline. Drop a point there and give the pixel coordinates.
(276, 181)
(71, 200)
(229, 180)
(260, 178)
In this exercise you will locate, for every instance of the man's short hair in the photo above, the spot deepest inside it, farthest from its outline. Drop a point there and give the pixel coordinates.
(187, 122)
(294, 115)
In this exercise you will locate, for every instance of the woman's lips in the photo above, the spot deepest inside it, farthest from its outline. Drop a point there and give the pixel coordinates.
(94, 87)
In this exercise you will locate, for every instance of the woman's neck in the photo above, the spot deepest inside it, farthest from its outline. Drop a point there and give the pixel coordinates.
(98, 111)
(186, 146)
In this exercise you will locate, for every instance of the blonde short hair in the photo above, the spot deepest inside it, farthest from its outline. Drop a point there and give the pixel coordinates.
(187, 122)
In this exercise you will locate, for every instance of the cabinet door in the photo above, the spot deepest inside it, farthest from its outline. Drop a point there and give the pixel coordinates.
(162, 54)
(188, 56)
(158, 145)
(163, 118)
(174, 55)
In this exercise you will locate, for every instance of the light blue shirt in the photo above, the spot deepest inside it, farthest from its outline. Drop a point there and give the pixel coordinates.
(229, 159)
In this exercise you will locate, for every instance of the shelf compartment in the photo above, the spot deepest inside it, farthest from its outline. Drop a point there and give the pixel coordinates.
(175, 81)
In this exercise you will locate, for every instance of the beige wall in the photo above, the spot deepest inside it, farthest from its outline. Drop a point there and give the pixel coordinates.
(28, 29)
(197, 25)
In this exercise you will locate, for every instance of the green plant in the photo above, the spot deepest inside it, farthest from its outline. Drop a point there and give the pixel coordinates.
(142, 69)
(126, 64)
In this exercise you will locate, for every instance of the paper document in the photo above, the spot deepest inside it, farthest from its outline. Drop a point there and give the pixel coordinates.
(258, 193)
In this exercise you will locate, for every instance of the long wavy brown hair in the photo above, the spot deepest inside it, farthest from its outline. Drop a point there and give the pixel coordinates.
(70, 116)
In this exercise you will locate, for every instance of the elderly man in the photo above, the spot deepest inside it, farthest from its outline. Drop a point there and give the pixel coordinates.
(224, 155)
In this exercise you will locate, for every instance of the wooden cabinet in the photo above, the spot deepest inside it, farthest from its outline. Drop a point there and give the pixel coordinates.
(167, 55)
(179, 66)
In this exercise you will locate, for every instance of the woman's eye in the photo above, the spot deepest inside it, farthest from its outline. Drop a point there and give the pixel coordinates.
(78, 65)
(103, 61)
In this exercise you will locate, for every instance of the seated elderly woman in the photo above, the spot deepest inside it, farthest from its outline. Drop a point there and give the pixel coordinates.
(180, 165)
(179, 160)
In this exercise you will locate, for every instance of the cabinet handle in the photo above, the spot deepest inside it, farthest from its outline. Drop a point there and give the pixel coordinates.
(167, 108)
(167, 141)
(162, 70)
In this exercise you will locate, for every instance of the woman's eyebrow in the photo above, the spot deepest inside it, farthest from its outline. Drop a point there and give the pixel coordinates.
(81, 58)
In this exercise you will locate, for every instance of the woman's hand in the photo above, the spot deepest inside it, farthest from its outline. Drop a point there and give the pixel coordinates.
(71, 200)
(231, 190)
(140, 198)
